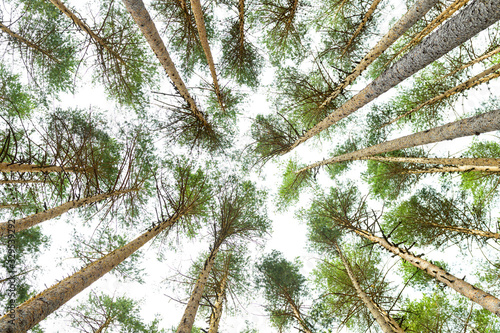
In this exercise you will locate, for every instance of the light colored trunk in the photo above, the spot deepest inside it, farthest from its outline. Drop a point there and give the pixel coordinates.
(494, 162)
(460, 168)
(486, 122)
(480, 78)
(7, 206)
(472, 62)
(187, 320)
(202, 33)
(216, 314)
(32, 220)
(299, 316)
(482, 298)
(14, 167)
(365, 19)
(473, 232)
(407, 21)
(387, 324)
(476, 17)
(22, 181)
(40, 306)
(26, 42)
(87, 29)
(141, 17)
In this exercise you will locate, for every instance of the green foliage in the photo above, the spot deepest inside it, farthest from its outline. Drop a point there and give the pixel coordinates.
(15, 99)
(292, 185)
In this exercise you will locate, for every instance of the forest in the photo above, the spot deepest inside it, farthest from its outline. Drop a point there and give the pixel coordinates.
(246, 166)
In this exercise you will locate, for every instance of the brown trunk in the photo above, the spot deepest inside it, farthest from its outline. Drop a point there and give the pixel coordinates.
(87, 29)
(40, 306)
(13, 167)
(482, 162)
(466, 24)
(241, 16)
(472, 62)
(474, 232)
(482, 298)
(216, 314)
(187, 320)
(32, 220)
(387, 324)
(288, 24)
(26, 42)
(461, 168)
(202, 33)
(407, 21)
(104, 325)
(299, 316)
(22, 181)
(486, 122)
(141, 17)
(365, 19)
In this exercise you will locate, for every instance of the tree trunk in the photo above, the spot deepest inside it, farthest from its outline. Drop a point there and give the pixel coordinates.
(476, 17)
(387, 324)
(494, 162)
(22, 181)
(241, 21)
(407, 21)
(32, 220)
(298, 316)
(34, 310)
(14, 167)
(26, 42)
(141, 17)
(87, 29)
(486, 122)
(216, 314)
(187, 320)
(480, 78)
(105, 325)
(472, 62)
(461, 168)
(474, 232)
(482, 298)
(202, 33)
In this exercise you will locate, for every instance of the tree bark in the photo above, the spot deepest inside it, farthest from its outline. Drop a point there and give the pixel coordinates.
(387, 324)
(14, 167)
(461, 168)
(22, 181)
(87, 29)
(40, 306)
(104, 325)
(482, 298)
(407, 21)
(493, 162)
(187, 320)
(32, 220)
(216, 314)
(241, 21)
(479, 15)
(486, 122)
(473, 232)
(141, 17)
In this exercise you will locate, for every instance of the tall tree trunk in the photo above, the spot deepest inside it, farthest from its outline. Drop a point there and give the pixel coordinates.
(104, 325)
(241, 26)
(40, 306)
(482, 298)
(476, 17)
(28, 43)
(486, 122)
(494, 162)
(202, 33)
(14, 167)
(87, 29)
(187, 320)
(298, 315)
(480, 78)
(473, 232)
(32, 220)
(386, 322)
(472, 62)
(216, 314)
(461, 168)
(22, 181)
(141, 17)
(407, 21)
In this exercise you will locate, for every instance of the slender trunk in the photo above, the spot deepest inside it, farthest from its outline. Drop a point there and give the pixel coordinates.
(476, 17)
(486, 122)
(431, 26)
(87, 29)
(7, 206)
(480, 78)
(387, 324)
(299, 316)
(407, 21)
(34, 310)
(187, 320)
(22, 181)
(202, 33)
(104, 325)
(482, 298)
(32, 220)
(216, 314)
(141, 17)
(365, 19)
(473, 232)
(14, 167)
(472, 62)
(26, 42)
(461, 168)
(241, 21)
(293, 11)
(494, 162)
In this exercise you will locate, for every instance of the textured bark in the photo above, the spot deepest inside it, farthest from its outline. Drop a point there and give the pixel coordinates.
(479, 15)
(141, 17)
(485, 76)
(365, 19)
(461, 168)
(486, 122)
(187, 320)
(387, 324)
(40, 306)
(202, 33)
(87, 29)
(407, 21)
(241, 24)
(12, 167)
(482, 298)
(32, 220)
(26, 42)
(473, 232)
(472, 62)
(216, 314)
(494, 162)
